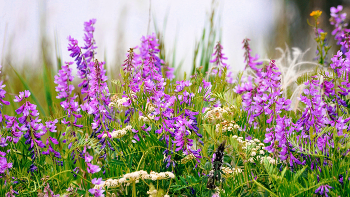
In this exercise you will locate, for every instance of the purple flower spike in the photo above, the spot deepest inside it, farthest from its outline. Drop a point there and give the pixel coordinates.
(340, 30)
(251, 61)
(33, 128)
(219, 64)
(219, 56)
(64, 88)
(63, 80)
(84, 55)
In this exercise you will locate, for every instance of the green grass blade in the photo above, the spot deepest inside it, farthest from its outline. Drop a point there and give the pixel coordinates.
(47, 79)
(25, 84)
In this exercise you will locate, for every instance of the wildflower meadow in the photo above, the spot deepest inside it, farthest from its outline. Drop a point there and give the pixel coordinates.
(273, 129)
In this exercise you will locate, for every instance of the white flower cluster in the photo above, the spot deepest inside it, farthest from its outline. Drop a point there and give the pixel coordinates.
(226, 126)
(118, 103)
(121, 101)
(150, 107)
(218, 191)
(229, 171)
(135, 177)
(154, 176)
(146, 119)
(253, 150)
(187, 158)
(152, 193)
(119, 133)
(269, 159)
(215, 113)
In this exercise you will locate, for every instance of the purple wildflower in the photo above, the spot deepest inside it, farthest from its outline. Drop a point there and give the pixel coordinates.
(219, 56)
(33, 127)
(220, 66)
(129, 63)
(181, 85)
(323, 190)
(315, 113)
(2, 96)
(63, 80)
(258, 99)
(48, 192)
(4, 165)
(251, 61)
(97, 192)
(16, 130)
(83, 59)
(338, 20)
(92, 168)
(64, 88)
(169, 72)
(99, 98)
(341, 179)
(21, 96)
(11, 193)
(96, 181)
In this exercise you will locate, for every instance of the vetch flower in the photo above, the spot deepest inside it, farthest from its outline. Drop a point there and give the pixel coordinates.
(220, 66)
(83, 59)
(97, 192)
(251, 62)
(93, 168)
(323, 190)
(338, 20)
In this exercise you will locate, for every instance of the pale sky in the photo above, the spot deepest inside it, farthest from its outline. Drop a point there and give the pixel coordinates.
(20, 25)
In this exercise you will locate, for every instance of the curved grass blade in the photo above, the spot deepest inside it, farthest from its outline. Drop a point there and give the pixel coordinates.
(25, 84)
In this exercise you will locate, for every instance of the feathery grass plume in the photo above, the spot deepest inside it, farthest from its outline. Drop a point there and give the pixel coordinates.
(294, 72)
(217, 160)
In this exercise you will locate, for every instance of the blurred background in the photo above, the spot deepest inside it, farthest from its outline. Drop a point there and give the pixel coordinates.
(28, 27)
(33, 34)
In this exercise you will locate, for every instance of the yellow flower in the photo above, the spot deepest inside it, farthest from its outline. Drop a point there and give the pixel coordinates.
(316, 13)
(323, 35)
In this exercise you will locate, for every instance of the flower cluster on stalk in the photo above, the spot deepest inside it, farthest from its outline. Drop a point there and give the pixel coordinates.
(251, 62)
(34, 129)
(338, 20)
(220, 66)
(84, 55)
